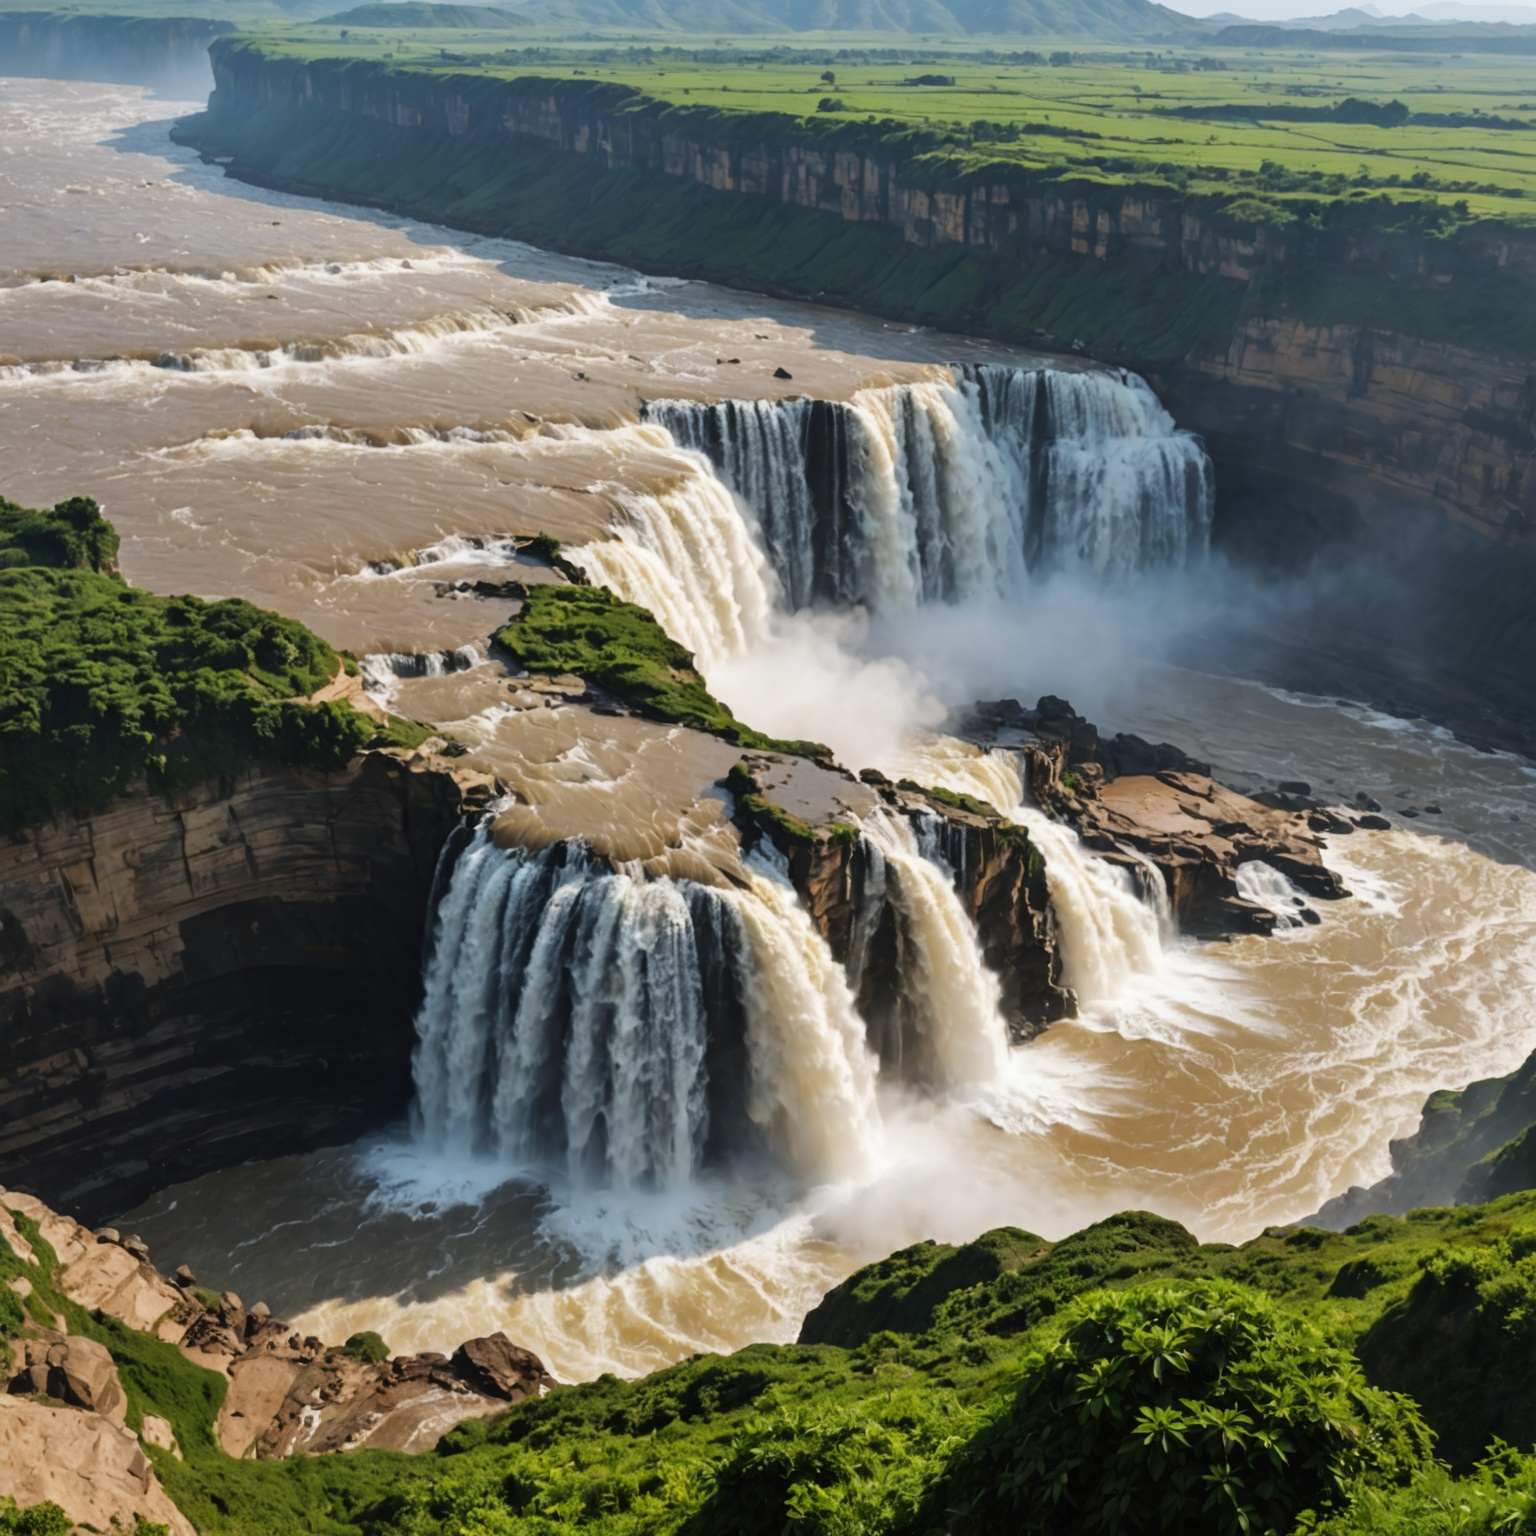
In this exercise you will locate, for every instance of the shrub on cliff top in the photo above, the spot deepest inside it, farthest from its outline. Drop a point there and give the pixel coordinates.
(1462, 1342)
(36, 1520)
(102, 684)
(70, 536)
(1181, 1407)
(621, 648)
(367, 1346)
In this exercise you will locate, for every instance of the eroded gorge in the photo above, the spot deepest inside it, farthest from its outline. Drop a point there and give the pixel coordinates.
(613, 1033)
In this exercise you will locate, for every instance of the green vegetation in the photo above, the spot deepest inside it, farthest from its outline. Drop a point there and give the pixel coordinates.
(1294, 130)
(71, 536)
(1126, 1374)
(102, 685)
(38, 1520)
(367, 1346)
(621, 649)
(1163, 1408)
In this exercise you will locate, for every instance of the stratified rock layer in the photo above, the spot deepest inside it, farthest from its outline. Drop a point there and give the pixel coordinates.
(229, 973)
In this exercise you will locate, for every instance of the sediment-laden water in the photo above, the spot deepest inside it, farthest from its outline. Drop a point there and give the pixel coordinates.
(649, 1119)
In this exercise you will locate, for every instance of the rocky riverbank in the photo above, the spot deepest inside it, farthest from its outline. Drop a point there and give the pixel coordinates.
(71, 1435)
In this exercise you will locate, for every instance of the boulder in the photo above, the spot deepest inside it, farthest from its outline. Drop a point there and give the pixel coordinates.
(499, 1368)
(158, 1432)
(93, 1469)
(73, 1370)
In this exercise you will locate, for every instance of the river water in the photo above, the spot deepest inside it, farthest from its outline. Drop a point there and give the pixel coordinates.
(284, 399)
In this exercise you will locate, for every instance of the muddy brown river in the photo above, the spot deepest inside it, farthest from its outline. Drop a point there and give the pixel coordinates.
(291, 401)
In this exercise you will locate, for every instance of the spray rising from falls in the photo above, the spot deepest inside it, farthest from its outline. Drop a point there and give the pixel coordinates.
(632, 1032)
(946, 491)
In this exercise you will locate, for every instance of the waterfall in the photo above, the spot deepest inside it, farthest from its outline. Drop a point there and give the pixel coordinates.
(759, 449)
(949, 1030)
(633, 1031)
(1265, 886)
(1114, 486)
(1109, 934)
(948, 491)
(686, 553)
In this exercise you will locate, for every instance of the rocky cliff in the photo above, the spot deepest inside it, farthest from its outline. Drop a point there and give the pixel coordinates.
(83, 1311)
(169, 53)
(1473, 1144)
(999, 877)
(227, 973)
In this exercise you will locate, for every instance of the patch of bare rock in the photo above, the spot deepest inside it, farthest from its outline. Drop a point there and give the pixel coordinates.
(1142, 804)
(64, 1431)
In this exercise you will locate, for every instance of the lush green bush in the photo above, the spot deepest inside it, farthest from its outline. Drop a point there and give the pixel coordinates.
(70, 536)
(1462, 1342)
(620, 648)
(367, 1346)
(102, 685)
(38, 1520)
(1172, 1408)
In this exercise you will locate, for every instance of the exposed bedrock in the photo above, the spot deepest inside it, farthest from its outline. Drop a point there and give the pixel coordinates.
(998, 875)
(228, 973)
(1141, 803)
(284, 1393)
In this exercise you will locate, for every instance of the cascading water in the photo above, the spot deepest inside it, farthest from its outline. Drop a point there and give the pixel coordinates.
(947, 1030)
(687, 554)
(1114, 486)
(1109, 934)
(630, 1032)
(950, 491)
(759, 447)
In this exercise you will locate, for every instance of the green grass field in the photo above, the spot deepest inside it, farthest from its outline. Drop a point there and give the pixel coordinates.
(1111, 115)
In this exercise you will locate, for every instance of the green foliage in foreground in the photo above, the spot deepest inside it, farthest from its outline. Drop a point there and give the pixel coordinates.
(70, 536)
(1126, 1379)
(620, 648)
(102, 685)
(38, 1520)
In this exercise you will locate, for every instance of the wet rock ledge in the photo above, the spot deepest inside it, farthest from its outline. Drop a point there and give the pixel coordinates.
(1136, 803)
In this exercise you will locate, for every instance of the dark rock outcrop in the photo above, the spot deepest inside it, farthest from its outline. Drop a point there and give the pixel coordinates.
(1145, 804)
(225, 974)
(1475, 1143)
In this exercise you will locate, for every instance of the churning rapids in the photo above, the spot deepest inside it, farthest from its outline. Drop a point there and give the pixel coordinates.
(649, 1117)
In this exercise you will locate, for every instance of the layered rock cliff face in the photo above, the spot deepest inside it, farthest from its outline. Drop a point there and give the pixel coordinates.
(1371, 414)
(167, 52)
(229, 973)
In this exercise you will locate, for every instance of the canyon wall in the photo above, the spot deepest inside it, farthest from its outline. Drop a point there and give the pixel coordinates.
(1379, 365)
(169, 53)
(227, 973)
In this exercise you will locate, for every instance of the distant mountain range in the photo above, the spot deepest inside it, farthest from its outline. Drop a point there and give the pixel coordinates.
(1095, 20)
(414, 13)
